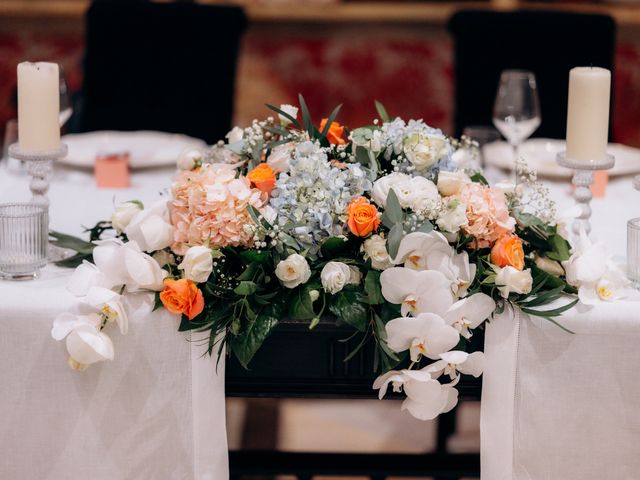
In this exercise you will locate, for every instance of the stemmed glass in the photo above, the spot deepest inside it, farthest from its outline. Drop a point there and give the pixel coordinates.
(516, 112)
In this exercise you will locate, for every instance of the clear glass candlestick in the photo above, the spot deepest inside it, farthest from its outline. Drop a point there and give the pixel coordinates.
(582, 180)
(39, 166)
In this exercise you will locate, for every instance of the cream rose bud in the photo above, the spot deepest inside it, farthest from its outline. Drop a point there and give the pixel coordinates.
(123, 215)
(235, 135)
(291, 110)
(197, 264)
(293, 271)
(510, 280)
(449, 182)
(334, 276)
(189, 158)
(550, 266)
(375, 248)
(280, 157)
(381, 187)
(423, 151)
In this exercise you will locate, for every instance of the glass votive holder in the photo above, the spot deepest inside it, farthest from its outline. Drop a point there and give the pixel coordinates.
(633, 251)
(24, 237)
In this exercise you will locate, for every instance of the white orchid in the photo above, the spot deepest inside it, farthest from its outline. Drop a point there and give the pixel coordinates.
(413, 290)
(456, 362)
(426, 398)
(151, 228)
(431, 251)
(110, 305)
(86, 344)
(425, 335)
(463, 315)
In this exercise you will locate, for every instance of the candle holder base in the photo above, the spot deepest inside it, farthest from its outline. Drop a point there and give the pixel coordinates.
(39, 166)
(582, 180)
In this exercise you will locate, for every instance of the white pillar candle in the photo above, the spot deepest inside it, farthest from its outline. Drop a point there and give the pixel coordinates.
(588, 113)
(38, 107)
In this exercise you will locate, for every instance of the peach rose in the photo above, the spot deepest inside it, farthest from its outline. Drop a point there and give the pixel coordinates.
(182, 296)
(335, 132)
(507, 251)
(363, 217)
(263, 178)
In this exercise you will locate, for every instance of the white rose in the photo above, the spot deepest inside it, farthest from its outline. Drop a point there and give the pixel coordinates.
(280, 157)
(334, 276)
(423, 150)
(150, 228)
(235, 135)
(189, 158)
(418, 194)
(381, 187)
(511, 280)
(162, 257)
(452, 217)
(375, 248)
(355, 276)
(550, 266)
(293, 271)
(124, 213)
(197, 264)
(449, 182)
(291, 110)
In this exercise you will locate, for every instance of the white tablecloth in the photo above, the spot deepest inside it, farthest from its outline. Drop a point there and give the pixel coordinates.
(155, 412)
(557, 406)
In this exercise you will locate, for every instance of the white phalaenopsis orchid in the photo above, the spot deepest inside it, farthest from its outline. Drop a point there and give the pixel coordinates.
(456, 362)
(413, 290)
(151, 228)
(592, 271)
(463, 315)
(425, 335)
(110, 305)
(426, 398)
(431, 251)
(86, 344)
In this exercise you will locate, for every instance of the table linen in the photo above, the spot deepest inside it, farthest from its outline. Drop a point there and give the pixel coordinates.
(155, 412)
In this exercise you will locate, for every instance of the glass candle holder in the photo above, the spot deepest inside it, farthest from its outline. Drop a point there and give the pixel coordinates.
(633, 251)
(24, 236)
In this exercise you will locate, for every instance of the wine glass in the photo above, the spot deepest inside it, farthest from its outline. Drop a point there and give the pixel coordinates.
(65, 100)
(516, 112)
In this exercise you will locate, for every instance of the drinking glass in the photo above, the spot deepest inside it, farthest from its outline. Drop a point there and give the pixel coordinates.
(65, 100)
(24, 236)
(516, 112)
(633, 251)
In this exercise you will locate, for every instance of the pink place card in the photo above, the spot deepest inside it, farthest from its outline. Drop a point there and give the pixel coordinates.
(599, 186)
(112, 170)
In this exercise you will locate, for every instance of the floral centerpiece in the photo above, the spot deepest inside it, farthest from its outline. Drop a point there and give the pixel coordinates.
(382, 228)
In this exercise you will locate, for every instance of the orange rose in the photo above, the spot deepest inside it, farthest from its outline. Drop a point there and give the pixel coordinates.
(263, 178)
(363, 217)
(507, 251)
(182, 296)
(334, 135)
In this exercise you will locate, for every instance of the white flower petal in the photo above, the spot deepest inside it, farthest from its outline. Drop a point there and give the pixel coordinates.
(86, 346)
(473, 365)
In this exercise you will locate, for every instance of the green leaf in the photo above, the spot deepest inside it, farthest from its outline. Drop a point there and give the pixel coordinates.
(246, 344)
(306, 117)
(333, 247)
(252, 256)
(425, 227)
(75, 260)
(372, 288)
(382, 112)
(560, 248)
(330, 120)
(479, 178)
(293, 120)
(550, 313)
(245, 288)
(301, 305)
(350, 307)
(76, 244)
(157, 303)
(393, 210)
(394, 239)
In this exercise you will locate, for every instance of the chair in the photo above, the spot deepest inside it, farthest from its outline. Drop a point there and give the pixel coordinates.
(547, 43)
(160, 66)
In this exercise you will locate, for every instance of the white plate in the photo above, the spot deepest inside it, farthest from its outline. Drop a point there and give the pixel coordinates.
(146, 148)
(540, 154)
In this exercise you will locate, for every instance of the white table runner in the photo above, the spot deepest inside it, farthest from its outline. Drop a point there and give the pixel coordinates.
(155, 411)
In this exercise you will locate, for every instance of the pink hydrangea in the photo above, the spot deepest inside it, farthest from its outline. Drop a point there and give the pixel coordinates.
(487, 213)
(209, 206)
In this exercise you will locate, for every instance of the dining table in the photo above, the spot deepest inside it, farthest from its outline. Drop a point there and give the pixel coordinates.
(555, 405)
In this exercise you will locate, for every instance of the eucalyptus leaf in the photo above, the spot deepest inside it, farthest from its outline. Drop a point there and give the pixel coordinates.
(245, 288)
(393, 241)
(382, 112)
